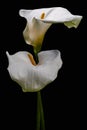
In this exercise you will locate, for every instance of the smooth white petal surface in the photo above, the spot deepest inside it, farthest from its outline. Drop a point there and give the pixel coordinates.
(62, 15)
(39, 20)
(33, 78)
(35, 30)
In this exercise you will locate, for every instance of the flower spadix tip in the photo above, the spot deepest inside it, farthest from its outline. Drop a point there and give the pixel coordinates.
(42, 15)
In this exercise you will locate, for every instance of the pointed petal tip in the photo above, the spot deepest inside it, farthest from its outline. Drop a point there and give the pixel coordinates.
(21, 12)
(7, 54)
(79, 17)
(24, 13)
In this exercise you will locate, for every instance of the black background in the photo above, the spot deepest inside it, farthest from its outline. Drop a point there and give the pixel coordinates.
(63, 100)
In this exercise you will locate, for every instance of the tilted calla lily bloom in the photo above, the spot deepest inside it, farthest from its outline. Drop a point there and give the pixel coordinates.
(31, 76)
(39, 20)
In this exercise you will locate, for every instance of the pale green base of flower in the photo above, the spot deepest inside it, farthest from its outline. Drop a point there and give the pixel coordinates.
(37, 49)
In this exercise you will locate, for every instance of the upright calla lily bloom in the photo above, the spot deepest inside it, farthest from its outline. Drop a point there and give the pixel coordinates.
(39, 20)
(31, 76)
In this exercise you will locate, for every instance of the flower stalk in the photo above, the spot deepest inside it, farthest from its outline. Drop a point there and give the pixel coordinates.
(40, 122)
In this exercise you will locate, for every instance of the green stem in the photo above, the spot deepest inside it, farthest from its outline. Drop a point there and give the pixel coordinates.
(36, 58)
(40, 113)
(40, 124)
(36, 51)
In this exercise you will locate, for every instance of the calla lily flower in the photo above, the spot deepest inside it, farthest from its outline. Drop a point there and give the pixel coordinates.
(30, 76)
(39, 21)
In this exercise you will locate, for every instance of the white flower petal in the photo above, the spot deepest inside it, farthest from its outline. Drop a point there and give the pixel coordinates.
(39, 20)
(30, 14)
(33, 78)
(35, 30)
(62, 15)
(49, 64)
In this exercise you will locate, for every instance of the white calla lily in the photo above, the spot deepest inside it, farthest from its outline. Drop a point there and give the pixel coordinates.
(39, 20)
(30, 76)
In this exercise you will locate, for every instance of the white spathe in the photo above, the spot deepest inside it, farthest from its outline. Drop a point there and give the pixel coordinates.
(39, 20)
(34, 77)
